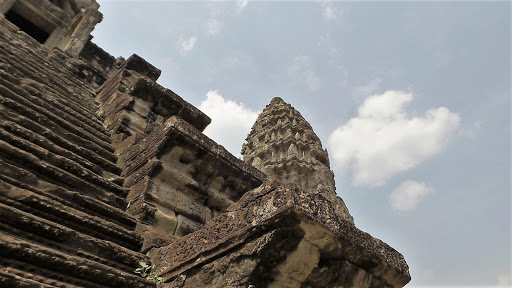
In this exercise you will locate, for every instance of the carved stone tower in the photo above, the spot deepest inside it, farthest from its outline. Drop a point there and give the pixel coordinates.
(283, 145)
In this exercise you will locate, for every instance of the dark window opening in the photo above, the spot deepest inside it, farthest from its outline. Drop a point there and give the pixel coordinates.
(26, 26)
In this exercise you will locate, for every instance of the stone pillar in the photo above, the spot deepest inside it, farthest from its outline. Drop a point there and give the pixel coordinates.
(79, 31)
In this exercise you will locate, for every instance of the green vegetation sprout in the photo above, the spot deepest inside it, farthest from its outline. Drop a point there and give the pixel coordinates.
(144, 272)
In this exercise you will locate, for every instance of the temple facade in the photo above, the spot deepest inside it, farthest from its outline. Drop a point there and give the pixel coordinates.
(104, 171)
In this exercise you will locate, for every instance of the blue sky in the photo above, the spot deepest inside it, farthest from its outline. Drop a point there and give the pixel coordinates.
(411, 99)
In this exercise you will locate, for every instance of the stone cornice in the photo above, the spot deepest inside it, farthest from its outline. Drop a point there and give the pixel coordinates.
(258, 211)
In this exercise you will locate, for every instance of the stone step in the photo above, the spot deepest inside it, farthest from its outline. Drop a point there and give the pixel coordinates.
(39, 205)
(45, 231)
(15, 278)
(48, 77)
(51, 263)
(13, 92)
(47, 172)
(16, 274)
(28, 135)
(113, 84)
(22, 275)
(59, 96)
(25, 50)
(62, 203)
(58, 104)
(49, 73)
(56, 126)
(16, 177)
(61, 162)
(83, 149)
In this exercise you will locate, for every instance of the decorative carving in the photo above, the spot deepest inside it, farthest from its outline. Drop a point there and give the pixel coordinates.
(311, 234)
(292, 151)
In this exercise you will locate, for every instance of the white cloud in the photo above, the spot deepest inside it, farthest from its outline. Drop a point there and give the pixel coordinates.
(187, 44)
(384, 139)
(241, 4)
(231, 121)
(329, 12)
(408, 194)
(302, 70)
(504, 281)
(214, 26)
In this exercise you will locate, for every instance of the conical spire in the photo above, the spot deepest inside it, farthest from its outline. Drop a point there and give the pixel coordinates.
(283, 145)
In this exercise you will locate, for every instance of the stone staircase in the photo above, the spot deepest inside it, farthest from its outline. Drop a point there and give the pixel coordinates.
(62, 204)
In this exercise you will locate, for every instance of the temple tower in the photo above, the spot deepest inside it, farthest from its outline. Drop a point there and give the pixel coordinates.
(284, 146)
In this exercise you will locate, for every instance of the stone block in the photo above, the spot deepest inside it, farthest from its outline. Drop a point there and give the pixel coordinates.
(153, 237)
(165, 219)
(140, 65)
(186, 226)
(219, 201)
(190, 208)
(165, 195)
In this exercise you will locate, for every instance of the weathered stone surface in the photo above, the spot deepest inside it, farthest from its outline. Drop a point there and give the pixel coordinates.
(62, 208)
(283, 145)
(134, 103)
(177, 177)
(141, 66)
(97, 58)
(315, 235)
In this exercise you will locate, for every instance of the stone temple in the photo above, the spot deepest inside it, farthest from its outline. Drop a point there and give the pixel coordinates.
(102, 168)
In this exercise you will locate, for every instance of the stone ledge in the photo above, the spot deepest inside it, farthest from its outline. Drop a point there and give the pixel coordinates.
(132, 101)
(167, 103)
(138, 154)
(140, 65)
(269, 207)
